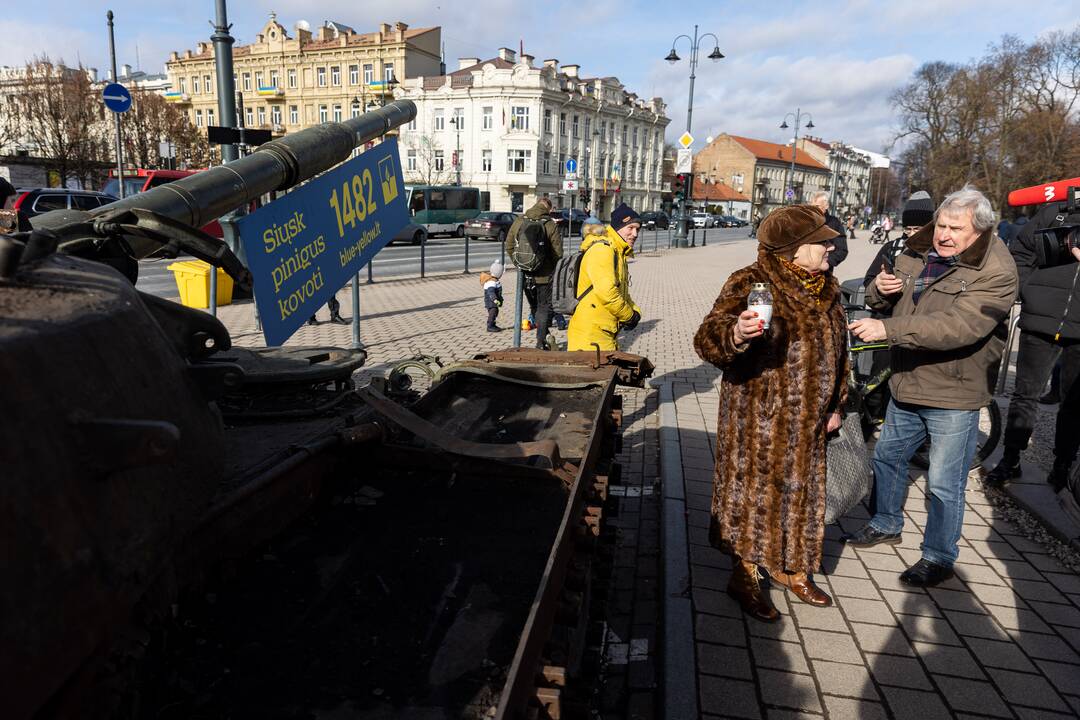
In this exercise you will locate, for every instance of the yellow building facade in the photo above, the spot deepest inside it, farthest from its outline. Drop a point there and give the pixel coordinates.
(289, 83)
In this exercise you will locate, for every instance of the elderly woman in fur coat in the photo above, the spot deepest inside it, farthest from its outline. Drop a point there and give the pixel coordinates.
(781, 394)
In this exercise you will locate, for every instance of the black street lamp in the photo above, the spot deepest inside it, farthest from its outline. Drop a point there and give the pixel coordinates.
(797, 115)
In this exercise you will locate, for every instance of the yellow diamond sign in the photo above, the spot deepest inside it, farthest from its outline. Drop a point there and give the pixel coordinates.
(686, 140)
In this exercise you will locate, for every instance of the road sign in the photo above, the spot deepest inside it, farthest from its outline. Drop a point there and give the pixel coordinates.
(684, 161)
(570, 185)
(117, 98)
(571, 165)
(789, 193)
(686, 140)
(305, 246)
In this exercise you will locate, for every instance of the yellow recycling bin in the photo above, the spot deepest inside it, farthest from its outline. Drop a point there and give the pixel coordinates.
(193, 282)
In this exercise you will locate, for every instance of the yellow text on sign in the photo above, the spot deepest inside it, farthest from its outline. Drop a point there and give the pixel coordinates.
(356, 201)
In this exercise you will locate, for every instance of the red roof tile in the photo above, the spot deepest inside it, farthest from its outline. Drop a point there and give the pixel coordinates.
(773, 151)
(716, 192)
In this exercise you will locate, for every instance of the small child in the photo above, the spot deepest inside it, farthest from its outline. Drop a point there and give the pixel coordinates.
(493, 297)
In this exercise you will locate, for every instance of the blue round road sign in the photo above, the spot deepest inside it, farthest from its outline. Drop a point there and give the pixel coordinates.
(117, 98)
(571, 165)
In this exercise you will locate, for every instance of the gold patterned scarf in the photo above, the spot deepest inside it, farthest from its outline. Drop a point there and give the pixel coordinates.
(813, 282)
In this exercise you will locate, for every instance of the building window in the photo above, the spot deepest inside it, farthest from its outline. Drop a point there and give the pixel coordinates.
(198, 118)
(369, 73)
(440, 161)
(388, 72)
(588, 129)
(624, 129)
(337, 113)
(634, 143)
(518, 161)
(320, 77)
(519, 117)
(247, 81)
(261, 112)
(485, 160)
(562, 162)
(547, 121)
(489, 117)
(335, 76)
(322, 114)
(210, 117)
(603, 131)
(412, 124)
(274, 77)
(440, 121)
(275, 114)
(294, 115)
(249, 117)
(290, 76)
(356, 110)
(354, 74)
(196, 85)
(656, 139)
(562, 123)
(410, 160)
(459, 119)
(259, 80)
(575, 127)
(546, 168)
(183, 85)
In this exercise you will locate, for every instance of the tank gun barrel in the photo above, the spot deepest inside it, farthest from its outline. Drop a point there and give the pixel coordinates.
(277, 165)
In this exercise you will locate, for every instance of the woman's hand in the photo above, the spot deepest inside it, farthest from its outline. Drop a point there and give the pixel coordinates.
(747, 327)
(833, 421)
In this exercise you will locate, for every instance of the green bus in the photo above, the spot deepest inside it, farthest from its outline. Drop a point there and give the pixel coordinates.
(442, 209)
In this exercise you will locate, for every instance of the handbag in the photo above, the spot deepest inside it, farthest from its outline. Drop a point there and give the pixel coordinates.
(848, 478)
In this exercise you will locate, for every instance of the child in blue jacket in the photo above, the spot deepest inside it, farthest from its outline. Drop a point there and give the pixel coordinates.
(493, 297)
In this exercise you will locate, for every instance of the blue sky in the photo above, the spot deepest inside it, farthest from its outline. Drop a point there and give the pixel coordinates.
(837, 59)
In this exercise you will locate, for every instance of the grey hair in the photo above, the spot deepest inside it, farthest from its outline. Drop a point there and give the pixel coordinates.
(969, 198)
(817, 196)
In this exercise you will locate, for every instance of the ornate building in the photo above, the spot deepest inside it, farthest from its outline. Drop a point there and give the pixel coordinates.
(508, 126)
(290, 83)
(849, 167)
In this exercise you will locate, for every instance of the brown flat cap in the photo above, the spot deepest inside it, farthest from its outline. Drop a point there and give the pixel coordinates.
(784, 230)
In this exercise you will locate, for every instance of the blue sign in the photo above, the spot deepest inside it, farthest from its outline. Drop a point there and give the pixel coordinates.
(789, 193)
(305, 246)
(571, 165)
(117, 98)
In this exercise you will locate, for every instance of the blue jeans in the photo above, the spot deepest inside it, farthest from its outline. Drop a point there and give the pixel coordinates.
(954, 436)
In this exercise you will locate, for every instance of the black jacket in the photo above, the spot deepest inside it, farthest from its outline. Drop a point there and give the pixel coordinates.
(840, 249)
(1049, 294)
(887, 255)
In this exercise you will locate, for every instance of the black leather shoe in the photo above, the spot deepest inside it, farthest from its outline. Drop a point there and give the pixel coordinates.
(868, 536)
(926, 574)
(1006, 470)
(1059, 475)
(338, 320)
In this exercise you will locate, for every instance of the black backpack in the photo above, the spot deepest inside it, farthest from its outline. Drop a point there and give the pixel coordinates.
(564, 295)
(530, 245)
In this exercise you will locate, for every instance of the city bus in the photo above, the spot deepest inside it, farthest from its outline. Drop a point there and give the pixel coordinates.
(442, 208)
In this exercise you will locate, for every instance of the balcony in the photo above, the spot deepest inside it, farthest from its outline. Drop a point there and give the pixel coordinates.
(178, 98)
(271, 92)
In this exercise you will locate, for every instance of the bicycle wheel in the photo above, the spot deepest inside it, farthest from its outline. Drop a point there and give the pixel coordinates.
(989, 437)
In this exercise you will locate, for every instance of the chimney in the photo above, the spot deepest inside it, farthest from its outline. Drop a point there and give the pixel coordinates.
(108, 76)
(507, 54)
(528, 60)
(125, 71)
(187, 54)
(384, 31)
(174, 56)
(325, 33)
(571, 70)
(200, 48)
(552, 63)
(463, 63)
(93, 74)
(400, 28)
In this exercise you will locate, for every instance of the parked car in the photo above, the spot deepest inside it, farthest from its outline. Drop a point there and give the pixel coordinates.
(701, 220)
(34, 201)
(490, 225)
(655, 220)
(411, 233)
(735, 222)
(577, 219)
(720, 221)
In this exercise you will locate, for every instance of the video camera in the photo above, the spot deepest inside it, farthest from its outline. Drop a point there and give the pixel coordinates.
(1061, 233)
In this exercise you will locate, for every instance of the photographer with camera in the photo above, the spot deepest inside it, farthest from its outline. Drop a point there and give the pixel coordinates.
(1047, 255)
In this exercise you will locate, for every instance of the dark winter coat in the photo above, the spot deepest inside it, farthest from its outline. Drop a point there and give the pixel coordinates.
(840, 248)
(768, 502)
(1046, 288)
(945, 349)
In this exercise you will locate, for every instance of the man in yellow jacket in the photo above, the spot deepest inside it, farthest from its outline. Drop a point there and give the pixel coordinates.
(607, 307)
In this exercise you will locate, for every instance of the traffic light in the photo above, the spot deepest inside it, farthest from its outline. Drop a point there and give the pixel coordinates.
(678, 188)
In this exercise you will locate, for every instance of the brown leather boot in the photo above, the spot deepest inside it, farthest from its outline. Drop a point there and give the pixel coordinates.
(804, 588)
(745, 587)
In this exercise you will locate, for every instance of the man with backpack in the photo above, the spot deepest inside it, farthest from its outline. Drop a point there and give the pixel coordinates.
(603, 304)
(534, 244)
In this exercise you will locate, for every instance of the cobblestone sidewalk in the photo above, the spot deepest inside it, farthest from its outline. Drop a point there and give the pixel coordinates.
(1000, 640)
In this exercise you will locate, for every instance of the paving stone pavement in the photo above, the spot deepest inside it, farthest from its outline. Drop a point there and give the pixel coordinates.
(1002, 639)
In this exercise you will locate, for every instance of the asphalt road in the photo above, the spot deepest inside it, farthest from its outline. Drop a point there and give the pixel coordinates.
(441, 255)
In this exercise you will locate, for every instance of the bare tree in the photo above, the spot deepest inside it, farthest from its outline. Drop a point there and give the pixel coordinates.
(432, 165)
(63, 118)
(152, 121)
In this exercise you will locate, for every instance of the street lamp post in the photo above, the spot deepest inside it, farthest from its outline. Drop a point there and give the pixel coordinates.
(456, 122)
(798, 115)
(673, 58)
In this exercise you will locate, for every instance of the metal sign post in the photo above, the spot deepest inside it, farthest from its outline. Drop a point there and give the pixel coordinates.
(110, 93)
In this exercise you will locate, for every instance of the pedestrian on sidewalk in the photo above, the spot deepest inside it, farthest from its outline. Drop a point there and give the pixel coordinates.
(851, 226)
(781, 392)
(535, 233)
(950, 292)
(820, 199)
(1049, 336)
(490, 281)
(603, 283)
(335, 313)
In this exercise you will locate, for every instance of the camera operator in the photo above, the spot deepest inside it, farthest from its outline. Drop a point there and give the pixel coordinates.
(1046, 255)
